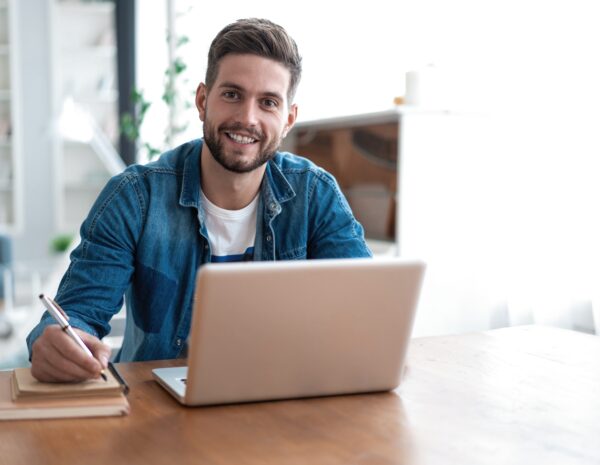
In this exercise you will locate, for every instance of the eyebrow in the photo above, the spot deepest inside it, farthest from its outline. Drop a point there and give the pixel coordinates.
(233, 85)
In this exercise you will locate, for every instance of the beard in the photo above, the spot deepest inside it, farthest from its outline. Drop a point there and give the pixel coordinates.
(232, 161)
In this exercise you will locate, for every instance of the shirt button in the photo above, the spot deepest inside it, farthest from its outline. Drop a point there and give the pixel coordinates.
(205, 246)
(273, 206)
(178, 342)
(268, 238)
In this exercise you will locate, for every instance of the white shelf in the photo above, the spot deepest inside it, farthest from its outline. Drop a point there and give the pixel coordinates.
(85, 24)
(85, 76)
(10, 156)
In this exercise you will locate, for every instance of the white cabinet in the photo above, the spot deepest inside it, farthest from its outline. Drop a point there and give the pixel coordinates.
(394, 168)
(86, 105)
(9, 141)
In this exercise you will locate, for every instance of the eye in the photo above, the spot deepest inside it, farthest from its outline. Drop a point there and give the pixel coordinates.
(231, 95)
(270, 103)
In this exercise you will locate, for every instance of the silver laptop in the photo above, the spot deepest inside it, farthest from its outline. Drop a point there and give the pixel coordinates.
(280, 330)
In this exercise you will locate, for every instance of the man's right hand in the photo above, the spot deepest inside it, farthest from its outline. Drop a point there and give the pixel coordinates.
(55, 357)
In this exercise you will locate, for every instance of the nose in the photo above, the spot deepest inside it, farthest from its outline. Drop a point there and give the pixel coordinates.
(248, 113)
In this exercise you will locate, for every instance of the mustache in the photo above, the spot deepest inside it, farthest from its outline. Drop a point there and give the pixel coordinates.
(238, 127)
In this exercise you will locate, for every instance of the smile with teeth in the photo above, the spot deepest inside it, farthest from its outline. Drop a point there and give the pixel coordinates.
(240, 139)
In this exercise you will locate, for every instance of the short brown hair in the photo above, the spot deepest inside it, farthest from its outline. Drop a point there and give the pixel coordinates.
(257, 37)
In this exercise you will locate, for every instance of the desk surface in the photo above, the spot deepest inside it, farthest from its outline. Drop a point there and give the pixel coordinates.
(511, 396)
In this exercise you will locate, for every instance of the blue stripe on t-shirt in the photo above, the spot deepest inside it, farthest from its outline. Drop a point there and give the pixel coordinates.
(247, 256)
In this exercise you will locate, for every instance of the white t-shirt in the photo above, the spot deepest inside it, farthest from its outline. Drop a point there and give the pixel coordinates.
(231, 233)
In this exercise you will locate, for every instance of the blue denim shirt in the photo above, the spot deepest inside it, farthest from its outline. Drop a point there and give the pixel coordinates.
(145, 238)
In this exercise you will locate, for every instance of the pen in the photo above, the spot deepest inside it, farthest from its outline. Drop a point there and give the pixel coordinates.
(118, 377)
(63, 320)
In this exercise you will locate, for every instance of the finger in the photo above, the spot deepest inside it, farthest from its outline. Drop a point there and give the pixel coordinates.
(47, 364)
(68, 353)
(66, 356)
(44, 373)
(60, 371)
(40, 368)
(100, 350)
(57, 357)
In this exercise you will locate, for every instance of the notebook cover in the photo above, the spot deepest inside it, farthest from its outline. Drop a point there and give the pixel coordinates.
(29, 387)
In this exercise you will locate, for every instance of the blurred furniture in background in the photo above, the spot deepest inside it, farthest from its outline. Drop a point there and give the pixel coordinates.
(10, 162)
(84, 72)
(5, 286)
(362, 152)
(5, 265)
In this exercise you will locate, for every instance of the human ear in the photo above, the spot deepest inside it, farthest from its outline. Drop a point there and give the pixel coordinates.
(291, 119)
(201, 96)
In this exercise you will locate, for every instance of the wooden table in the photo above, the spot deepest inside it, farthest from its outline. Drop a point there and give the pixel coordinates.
(527, 395)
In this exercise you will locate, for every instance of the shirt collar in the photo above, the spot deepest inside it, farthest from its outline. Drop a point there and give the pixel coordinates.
(275, 186)
(190, 187)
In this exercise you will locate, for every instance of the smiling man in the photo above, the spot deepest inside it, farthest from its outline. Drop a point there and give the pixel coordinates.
(231, 196)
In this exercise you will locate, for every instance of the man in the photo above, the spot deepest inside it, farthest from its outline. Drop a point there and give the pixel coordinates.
(231, 196)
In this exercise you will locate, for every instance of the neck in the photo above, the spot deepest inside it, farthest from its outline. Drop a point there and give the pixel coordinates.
(226, 189)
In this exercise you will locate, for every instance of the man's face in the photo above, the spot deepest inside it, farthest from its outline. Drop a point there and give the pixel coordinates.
(246, 113)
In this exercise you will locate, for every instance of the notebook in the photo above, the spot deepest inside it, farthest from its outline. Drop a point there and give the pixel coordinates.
(25, 386)
(24, 397)
(280, 330)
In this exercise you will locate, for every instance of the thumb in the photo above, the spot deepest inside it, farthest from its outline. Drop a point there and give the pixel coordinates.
(100, 350)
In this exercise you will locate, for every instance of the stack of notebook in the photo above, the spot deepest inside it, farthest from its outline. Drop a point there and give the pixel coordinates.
(22, 397)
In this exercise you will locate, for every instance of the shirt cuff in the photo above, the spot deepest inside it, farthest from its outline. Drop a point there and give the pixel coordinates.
(47, 320)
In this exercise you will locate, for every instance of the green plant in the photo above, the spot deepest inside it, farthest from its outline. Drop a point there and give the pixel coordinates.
(131, 123)
(61, 243)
